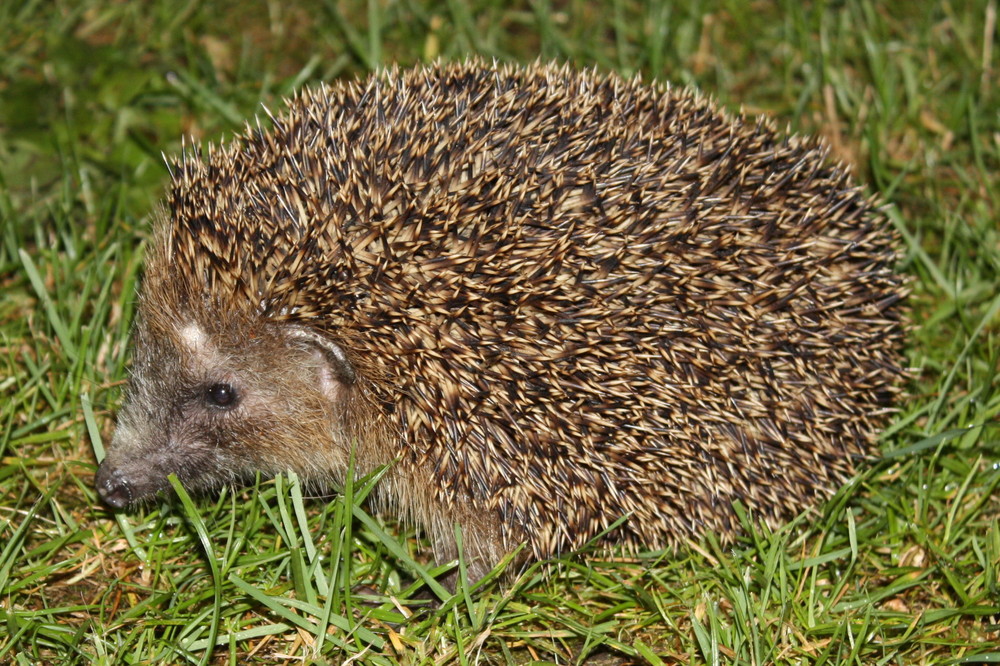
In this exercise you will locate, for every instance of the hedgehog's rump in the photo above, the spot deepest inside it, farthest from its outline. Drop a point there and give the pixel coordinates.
(573, 297)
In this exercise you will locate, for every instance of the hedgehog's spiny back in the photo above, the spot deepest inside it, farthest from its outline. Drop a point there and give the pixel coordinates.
(583, 297)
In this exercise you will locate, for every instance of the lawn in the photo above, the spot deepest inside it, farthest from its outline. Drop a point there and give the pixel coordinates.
(902, 566)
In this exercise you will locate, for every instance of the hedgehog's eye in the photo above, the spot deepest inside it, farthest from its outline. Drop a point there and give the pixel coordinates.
(222, 395)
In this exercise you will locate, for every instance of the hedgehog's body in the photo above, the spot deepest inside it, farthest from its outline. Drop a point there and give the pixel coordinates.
(555, 299)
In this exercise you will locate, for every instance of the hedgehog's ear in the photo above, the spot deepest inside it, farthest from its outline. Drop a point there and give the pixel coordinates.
(336, 371)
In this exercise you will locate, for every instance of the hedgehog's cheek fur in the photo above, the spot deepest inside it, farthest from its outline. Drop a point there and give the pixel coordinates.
(206, 450)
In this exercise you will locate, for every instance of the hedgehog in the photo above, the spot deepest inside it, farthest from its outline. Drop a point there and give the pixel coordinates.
(551, 305)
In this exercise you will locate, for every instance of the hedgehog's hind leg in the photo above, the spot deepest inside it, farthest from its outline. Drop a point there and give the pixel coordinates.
(483, 544)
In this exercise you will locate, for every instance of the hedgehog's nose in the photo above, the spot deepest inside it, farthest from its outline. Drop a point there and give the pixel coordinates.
(113, 489)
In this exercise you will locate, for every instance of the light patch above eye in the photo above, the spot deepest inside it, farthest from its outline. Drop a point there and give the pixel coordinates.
(193, 337)
(198, 351)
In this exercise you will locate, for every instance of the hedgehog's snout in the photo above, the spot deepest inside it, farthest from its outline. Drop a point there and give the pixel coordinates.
(133, 469)
(113, 487)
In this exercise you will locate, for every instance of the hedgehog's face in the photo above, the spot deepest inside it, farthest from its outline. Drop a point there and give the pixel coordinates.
(215, 405)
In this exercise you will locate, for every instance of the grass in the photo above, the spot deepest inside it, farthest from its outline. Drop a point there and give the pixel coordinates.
(901, 567)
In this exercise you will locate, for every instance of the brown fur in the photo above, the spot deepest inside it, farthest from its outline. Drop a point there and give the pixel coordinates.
(553, 298)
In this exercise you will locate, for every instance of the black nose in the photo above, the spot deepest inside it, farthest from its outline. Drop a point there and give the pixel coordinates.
(113, 489)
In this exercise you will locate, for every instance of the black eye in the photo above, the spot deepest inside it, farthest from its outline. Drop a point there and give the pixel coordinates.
(222, 395)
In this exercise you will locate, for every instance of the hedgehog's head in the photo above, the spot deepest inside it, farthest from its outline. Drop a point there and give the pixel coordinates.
(214, 399)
